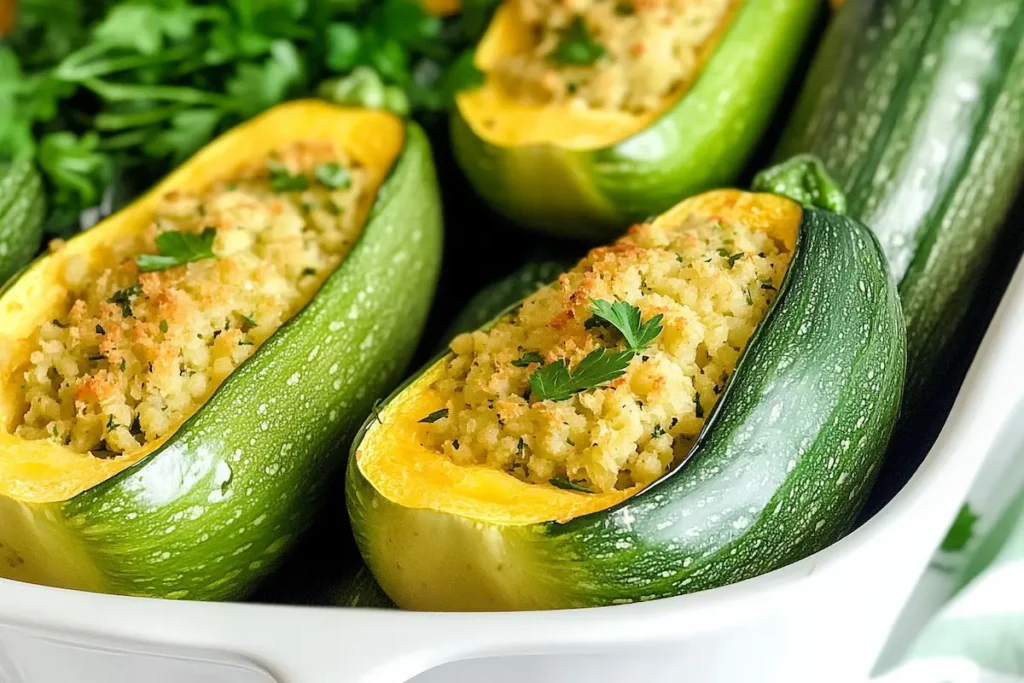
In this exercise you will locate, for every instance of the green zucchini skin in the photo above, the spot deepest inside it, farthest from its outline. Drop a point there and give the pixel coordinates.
(216, 507)
(702, 142)
(490, 301)
(22, 210)
(916, 107)
(781, 469)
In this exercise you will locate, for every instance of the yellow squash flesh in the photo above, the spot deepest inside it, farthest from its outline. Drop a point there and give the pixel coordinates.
(41, 471)
(499, 118)
(391, 456)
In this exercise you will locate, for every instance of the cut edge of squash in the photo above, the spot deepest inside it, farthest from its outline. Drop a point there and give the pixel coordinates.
(499, 118)
(40, 471)
(394, 461)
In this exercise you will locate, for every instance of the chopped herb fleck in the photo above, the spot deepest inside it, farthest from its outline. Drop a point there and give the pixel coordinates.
(746, 294)
(455, 444)
(308, 271)
(282, 180)
(123, 298)
(527, 358)
(698, 408)
(163, 326)
(111, 424)
(766, 283)
(435, 416)
(124, 364)
(333, 175)
(577, 46)
(624, 9)
(248, 322)
(334, 208)
(521, 448)
(569, 485)
(245, 343)
(734, 258)
(658, 431)
(58, 323)
(100, 357)
(570, 442)
(100, 330)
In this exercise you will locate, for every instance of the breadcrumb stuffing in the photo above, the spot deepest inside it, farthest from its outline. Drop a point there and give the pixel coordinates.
(712, 280)
(133, 354)
(620, 55)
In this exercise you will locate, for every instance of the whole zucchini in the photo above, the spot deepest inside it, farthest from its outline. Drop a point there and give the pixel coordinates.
(779, 469)
(917, 109)
(205, 511)
(589, 173)
(22, 209)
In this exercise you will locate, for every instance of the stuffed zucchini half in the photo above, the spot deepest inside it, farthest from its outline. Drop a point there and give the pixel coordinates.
(593, 117)
(705, 400)
(178, 383)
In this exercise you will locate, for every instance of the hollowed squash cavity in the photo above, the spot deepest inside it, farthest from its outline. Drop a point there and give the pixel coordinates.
(395, 460)
(43, 471)
(504, 118)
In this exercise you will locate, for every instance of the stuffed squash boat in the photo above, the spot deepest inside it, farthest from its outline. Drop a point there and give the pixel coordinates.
(703, 401)
(597, 113)
(178, 382)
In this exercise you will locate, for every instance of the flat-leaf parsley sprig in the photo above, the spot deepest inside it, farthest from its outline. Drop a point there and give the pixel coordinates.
(627, 320)
(555, 382)
(178, 248)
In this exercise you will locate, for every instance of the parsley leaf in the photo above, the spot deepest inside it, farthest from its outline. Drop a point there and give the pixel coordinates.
(282, 180)
(435, 416)
(570, 485)
(333, 175)
(554, 382)
(178, 248)
(626, 318)
(527, 358)
(577, 46)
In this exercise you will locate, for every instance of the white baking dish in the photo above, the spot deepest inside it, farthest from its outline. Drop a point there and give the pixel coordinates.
(822, 619)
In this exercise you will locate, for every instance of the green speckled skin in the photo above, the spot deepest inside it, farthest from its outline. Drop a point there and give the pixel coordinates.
(214, 509)
(489, 302)
(783, 466)
(22, 209)
(702, 142)
(916, 108)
